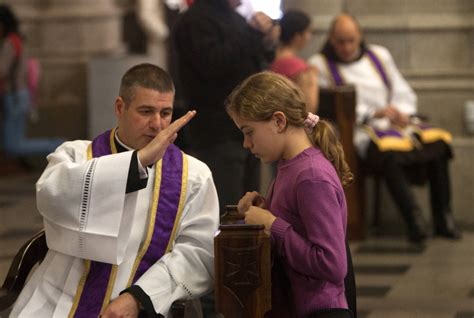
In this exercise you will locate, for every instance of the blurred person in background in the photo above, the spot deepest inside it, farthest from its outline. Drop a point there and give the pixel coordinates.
(295, 33)
(217, 49)
(15, 93)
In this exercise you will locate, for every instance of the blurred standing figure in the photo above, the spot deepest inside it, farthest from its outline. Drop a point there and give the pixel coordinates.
(217, 50)
(152, 17)
(295, 33)
(14, 94)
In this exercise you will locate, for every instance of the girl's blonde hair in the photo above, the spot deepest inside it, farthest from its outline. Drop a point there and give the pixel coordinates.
(259, 96)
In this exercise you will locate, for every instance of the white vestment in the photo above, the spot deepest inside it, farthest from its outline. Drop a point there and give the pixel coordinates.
(371, 92)
(113, 230)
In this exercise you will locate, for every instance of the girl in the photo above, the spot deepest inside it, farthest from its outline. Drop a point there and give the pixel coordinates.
(305, 211)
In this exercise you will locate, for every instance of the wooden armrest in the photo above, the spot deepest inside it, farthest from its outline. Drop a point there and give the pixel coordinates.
(178, 308)
(190, 308)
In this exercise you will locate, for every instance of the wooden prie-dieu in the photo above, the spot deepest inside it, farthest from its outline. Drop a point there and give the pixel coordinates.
(243, 268)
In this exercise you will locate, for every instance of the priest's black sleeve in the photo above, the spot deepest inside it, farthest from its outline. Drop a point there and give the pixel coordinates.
(134, 183)
(146, 306)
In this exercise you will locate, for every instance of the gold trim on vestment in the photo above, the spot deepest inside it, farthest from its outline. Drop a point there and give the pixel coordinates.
(80, 288)
(151, 226)
(110, 287)
(113, 147)
(388, 143)
(184, 185)
(89, 152)
(430, 135)
(113, 270)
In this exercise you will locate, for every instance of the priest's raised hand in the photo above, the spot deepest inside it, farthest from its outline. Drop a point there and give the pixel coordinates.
(155, 150)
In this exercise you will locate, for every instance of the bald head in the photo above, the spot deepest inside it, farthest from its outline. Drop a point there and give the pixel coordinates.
(345, 37)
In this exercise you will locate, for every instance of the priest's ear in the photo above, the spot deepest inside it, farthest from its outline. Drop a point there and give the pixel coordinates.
(119, 106)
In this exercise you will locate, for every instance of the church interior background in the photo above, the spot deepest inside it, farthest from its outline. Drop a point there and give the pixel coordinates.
(85, 45)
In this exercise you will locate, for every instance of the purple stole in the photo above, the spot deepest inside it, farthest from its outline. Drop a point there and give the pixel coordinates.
(393, 139)
(339, 80)
(95, 288)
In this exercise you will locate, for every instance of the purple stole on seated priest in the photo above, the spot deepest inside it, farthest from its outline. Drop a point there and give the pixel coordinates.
(393, 139)
(95, 287)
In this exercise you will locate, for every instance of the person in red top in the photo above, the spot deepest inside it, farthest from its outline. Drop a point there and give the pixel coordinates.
(294, 35)
(15, 99)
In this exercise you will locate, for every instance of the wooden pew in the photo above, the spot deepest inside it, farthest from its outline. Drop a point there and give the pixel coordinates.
(338, 105)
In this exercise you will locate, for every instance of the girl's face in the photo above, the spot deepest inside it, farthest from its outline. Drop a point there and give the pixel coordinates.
(263, 138)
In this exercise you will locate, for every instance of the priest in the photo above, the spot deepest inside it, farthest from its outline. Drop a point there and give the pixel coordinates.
(129, 218)
(391, 139)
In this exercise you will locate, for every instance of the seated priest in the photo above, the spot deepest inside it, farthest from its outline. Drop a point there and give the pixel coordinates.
(389, 137)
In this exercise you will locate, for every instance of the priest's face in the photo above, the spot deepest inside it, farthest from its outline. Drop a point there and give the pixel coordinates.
(346, 39)
(140, 120)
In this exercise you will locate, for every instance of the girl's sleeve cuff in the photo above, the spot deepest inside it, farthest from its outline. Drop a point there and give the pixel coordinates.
(278, 230)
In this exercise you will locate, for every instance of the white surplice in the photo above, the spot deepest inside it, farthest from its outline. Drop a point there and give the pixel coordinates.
(113, 230)
(371, 92)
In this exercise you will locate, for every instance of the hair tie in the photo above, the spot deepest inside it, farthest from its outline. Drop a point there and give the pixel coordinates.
(310, 121)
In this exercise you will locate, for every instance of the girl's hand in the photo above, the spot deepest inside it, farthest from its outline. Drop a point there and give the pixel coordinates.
(256, 215)
(250, 199)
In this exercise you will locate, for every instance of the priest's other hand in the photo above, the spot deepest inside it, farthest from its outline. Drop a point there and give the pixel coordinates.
(155, 150)
(396, 117)
(124, 306)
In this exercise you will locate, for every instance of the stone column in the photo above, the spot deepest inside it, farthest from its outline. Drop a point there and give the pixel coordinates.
(64, 35)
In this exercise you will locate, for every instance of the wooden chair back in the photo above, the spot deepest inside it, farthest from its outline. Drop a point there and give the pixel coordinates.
(338, 105)
(29, 255)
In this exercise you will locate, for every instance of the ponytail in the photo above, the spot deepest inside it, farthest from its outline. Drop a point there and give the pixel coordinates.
(324, 137)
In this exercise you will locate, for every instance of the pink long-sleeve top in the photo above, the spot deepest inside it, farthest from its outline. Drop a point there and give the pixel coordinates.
(308, 236)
